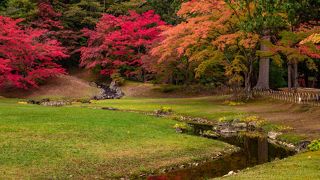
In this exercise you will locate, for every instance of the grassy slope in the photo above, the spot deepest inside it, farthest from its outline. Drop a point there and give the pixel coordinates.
(303, 166)
(70, 142)
(61, 87)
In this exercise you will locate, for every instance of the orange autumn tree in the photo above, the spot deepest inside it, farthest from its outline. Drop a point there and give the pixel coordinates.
(240, 51)
(185, 46)
(210, 38)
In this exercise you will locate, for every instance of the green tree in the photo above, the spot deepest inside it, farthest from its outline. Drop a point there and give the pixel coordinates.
(19, 8)
(302, 11)
(263, 17)
(84, 13)
(123, 7)
(167, 9)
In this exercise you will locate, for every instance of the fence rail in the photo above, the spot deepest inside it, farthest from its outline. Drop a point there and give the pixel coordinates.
(298, 97)
(310, 98)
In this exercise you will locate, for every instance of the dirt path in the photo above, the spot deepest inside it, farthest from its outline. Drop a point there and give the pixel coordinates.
(304, 119)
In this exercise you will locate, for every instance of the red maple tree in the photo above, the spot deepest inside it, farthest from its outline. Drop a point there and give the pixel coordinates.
(49, 19)
(118, 43)
(26, 56)
(311, 45)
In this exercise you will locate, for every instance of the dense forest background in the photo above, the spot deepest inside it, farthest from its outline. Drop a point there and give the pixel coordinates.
(252, 44)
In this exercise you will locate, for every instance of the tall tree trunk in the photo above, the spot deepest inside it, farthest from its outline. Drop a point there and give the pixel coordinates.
(247, 84)
(295, 76)
(289, 75)
(264, 68)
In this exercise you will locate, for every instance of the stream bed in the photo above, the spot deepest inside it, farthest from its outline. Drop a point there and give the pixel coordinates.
(255, 149)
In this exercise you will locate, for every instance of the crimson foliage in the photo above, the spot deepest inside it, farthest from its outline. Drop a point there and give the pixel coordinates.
(48, 19)
(118, 43)
(26, 56)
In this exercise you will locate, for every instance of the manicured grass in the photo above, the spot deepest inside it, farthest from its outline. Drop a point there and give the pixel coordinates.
(73, 142)
(302, 166)
(39, 142)
(206, 107)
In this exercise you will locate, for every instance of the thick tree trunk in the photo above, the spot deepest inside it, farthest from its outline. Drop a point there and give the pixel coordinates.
(295, 75)
(264, 68)
(289, 76)
(247, 84)
(247, 89)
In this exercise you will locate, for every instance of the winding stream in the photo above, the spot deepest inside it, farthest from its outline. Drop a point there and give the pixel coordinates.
(255, 150)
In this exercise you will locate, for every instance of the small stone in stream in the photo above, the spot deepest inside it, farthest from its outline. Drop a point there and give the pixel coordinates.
(230, 173)
(303, 145)
(110, 108)
(252, 125)
(56, 103)
(240, 125)
(222, 124)
(274, 135)
(228, 131)
(179, 130)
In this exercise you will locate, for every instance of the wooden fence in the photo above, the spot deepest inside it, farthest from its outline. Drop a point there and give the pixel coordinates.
(310, 98)
(298, 97)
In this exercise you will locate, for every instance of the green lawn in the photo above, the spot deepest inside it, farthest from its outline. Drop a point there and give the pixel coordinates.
(303, 166)
(71, 142)
(206, 107)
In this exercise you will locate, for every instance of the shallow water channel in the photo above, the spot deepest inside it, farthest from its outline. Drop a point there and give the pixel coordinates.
(255, 150)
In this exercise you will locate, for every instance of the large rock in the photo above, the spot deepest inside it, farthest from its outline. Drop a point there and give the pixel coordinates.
(273, 135)
(116, 89)
(112, 91)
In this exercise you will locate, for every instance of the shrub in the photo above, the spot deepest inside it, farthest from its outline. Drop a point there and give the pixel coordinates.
(182, 127)
(164, 110)
(315, 145)
(233, 103)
